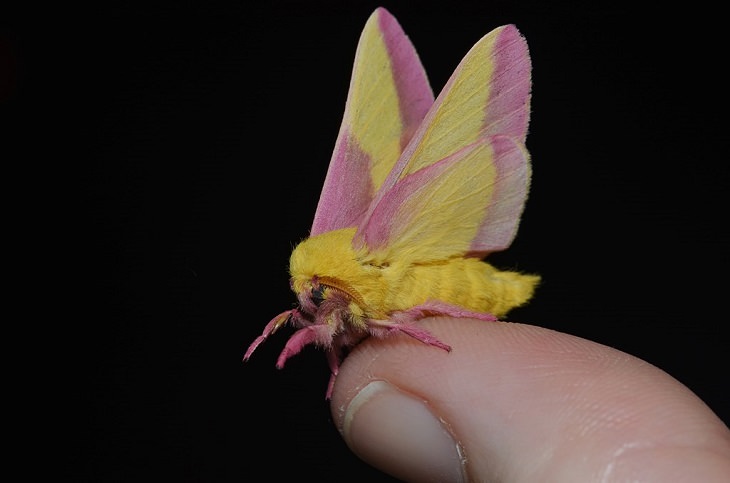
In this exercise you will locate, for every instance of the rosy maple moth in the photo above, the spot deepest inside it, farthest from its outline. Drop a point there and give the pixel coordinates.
(417, 193)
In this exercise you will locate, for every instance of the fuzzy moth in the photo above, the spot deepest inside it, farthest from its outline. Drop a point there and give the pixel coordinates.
(418, 192)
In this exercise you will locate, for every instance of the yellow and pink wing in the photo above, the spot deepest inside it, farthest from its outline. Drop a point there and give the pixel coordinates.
(388, 98)
(460, 185)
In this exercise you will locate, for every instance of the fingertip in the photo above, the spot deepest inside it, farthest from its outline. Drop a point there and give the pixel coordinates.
(510, 401)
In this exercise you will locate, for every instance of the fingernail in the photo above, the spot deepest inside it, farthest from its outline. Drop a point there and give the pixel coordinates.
(400, 435)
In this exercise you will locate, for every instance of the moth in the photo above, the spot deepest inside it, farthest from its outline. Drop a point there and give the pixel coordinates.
(418, 192)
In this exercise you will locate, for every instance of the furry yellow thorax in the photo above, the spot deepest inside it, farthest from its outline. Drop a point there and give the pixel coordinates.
(379, 290)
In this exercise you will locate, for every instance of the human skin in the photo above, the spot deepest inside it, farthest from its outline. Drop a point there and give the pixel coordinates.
(514, 402)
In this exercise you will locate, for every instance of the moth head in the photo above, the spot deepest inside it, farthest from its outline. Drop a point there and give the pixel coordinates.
(326, 267)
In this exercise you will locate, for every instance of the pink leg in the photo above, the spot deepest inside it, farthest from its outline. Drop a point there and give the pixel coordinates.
(380, 328)
(434, 307)
(321, 334)
(333, 358)
(403, 321)
(421, 334)
(270, 328)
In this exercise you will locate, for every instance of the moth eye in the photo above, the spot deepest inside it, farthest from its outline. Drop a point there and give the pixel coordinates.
(318, 295)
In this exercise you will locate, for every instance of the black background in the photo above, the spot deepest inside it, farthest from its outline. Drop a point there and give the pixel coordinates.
(172, 154)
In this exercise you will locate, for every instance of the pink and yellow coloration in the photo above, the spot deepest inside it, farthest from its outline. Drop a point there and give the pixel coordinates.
(417, 193)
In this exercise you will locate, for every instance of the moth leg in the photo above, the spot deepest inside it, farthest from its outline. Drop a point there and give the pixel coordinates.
(407, 328)
(312, 334)
(435, 307)
(402, 321)
(270, 328)
(334, 357)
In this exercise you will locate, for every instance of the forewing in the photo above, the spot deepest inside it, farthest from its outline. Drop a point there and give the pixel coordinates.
(472, 137)
(388, 98)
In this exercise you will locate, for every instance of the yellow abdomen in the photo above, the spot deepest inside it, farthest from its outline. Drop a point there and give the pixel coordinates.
(467, 282)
